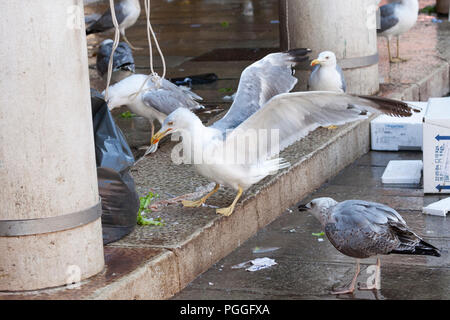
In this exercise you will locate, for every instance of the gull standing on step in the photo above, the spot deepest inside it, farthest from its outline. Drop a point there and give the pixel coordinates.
(127, 13)
(259, 111)
(327, 75)
(362, 229)
(396, 19)
(155, 101)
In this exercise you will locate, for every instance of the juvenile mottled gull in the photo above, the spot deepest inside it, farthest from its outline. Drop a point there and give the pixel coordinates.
(123, 61)
(154, 102)
(127, 13)
(362, 229)
(396, 19)
(257, 111)
(327, 75)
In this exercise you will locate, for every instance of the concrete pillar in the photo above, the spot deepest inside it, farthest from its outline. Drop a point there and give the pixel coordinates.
(47, 157)
(348, 28)
(442, 6)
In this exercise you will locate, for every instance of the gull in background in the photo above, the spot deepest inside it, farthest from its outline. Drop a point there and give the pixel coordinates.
(396, 19)
(127, 13)
(327, 75)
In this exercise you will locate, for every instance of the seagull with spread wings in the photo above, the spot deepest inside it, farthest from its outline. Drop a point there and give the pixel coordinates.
(261, 105)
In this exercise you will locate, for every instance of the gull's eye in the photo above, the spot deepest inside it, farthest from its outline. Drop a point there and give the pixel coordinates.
(170, 123)
(327, 58)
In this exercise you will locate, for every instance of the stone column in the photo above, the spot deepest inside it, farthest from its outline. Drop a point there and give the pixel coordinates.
(348, 28)
(50, 228)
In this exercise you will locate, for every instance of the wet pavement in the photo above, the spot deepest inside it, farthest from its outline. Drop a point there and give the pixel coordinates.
(309, 267)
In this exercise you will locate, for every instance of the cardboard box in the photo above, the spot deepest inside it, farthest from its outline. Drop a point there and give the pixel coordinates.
(403, 172)
(394, 133)
(440, 208)
(436, 146)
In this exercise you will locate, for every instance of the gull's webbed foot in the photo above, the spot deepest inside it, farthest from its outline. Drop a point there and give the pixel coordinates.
(193, 204)
(398, 60)
(348, 290)
(332, 127)
(225, 211)
(201, 201)
(229, 210)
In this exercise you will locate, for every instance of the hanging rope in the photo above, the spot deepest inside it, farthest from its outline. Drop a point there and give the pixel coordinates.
(150, 33)
(153, 76)
(115, 45)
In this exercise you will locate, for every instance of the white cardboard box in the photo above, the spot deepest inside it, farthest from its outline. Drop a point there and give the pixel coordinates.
(403, 172)
(440, 208)
(436, 146)
(393, 133)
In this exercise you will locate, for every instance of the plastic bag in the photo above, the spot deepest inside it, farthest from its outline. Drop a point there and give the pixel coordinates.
(120, 201)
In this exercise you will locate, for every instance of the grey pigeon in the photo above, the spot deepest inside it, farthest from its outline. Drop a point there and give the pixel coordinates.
(362, 229)
(123, 61)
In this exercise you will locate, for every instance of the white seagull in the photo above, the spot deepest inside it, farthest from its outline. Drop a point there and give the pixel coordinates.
(287, 116)
(327, 75)
(127, 13)
(396, 19)
(155, 101)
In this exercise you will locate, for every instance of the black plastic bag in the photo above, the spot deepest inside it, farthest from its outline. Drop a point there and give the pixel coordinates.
(120, 201)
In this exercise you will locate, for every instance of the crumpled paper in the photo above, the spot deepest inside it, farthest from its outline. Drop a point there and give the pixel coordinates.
(255, 264)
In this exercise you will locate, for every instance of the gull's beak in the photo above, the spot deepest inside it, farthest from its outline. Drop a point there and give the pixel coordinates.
(159, 135)
(303, 207)
(315, 62)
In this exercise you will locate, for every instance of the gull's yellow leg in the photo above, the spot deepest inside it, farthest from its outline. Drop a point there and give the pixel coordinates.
(396, 59)
(153, 129)
(198, 203)
(333, 127)
(398, 51)
(129, 43)
(229, 210)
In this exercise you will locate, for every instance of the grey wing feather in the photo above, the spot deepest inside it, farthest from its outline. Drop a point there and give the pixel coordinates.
(361, 229)
(377, 229)
(91, 18)
(295, 115)
(387, 16)
(341, 73)
(105, 22)
(169, 97)
(260, 82)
